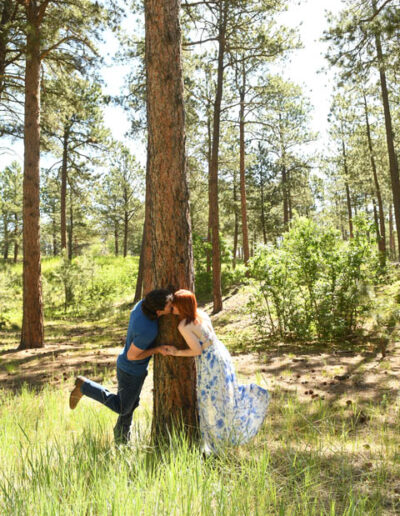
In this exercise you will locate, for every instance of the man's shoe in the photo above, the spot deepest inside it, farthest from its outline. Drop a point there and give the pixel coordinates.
(76, 393)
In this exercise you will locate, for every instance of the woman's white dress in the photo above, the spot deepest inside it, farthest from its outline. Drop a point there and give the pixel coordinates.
(230, 413)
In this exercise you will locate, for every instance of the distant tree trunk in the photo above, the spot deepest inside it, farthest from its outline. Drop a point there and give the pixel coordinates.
(209, 253)
(381, 228)
(284, 178)
(236, 230)
(346, 184)
(71, 226)
(32, 335)
(63, 195)
(16, 230)
(126, 224)
(6, 239)
(264, 232)
(213, 190)
(243, 202)
(169, 236)
(289, 197)
(393, 163)
(116, 241)
(285, 199)
(392, 243)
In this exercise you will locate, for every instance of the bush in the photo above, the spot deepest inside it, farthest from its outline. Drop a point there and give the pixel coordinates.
(313, 285)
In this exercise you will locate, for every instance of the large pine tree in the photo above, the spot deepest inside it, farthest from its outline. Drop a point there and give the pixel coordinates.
(168, 239)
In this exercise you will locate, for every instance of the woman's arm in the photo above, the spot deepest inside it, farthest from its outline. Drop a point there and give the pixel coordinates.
(191, 340)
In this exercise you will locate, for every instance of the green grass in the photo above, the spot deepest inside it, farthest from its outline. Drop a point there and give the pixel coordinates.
(308, 459)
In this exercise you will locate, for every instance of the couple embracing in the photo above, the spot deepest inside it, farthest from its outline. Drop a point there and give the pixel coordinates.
(230, 414)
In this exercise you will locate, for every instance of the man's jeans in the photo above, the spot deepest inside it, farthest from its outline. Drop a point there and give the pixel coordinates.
(123, 403)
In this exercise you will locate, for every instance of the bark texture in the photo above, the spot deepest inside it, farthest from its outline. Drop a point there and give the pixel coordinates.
(32, 335)
(168, 229)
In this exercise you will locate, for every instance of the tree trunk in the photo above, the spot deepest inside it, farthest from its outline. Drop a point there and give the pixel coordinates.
(264, 232)
(6, 239)
(393, 163)
(236, 231)
(32, 335)
(126, 223)
(392, 242)
(139, 279)
(16, 246)
(116, 241)
(71, 226)
(382, 231)
(64, 179)
(243, 202)
(209, 253)
(213, 182)
(285, 199)
(348, 197)
(167, 195)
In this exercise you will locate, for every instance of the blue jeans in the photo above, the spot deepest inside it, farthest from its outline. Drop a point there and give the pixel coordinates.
(123, 403)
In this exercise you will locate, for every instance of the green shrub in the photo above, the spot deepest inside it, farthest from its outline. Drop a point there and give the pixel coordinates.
(314, 285)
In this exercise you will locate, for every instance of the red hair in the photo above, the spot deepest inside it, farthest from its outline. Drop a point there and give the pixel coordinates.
(186, 303)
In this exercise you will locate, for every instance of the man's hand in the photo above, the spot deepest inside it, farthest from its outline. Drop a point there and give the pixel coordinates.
(172, 350)
(167, 350)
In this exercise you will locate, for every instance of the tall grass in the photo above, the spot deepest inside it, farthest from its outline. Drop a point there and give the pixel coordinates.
(308, 459)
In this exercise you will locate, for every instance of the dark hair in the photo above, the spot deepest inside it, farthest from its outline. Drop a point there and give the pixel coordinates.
(155, 300)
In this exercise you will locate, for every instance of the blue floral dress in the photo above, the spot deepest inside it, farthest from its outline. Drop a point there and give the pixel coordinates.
(230, 414)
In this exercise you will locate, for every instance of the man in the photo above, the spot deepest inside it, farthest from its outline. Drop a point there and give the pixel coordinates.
(132, 363)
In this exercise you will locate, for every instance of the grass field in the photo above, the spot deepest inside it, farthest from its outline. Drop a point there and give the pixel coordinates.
(328, 446)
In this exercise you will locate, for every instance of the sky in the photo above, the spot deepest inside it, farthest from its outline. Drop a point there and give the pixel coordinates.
(304, 69)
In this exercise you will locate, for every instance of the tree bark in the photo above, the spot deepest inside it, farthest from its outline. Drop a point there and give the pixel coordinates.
(213, 182)
(393, 163)
(126, 223)
(392, 242)
(32, 335)
(264, 232)
(16, 229)
(243, 202)
(346, 184)
(236, 231)
(139, 279)
(71, 226)
(167, 197)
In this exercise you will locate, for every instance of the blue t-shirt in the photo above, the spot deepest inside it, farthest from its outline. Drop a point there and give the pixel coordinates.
(142, 331)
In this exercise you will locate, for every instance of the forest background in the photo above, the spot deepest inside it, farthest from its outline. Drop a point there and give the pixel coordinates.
(294, 205)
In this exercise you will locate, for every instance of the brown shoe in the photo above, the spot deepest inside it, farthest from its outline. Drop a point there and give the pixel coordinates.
(76, 393)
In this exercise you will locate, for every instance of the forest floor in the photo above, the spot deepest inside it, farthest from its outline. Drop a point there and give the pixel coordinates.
(344, 373)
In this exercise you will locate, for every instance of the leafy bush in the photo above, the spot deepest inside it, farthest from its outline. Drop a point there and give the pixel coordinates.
(313, 285)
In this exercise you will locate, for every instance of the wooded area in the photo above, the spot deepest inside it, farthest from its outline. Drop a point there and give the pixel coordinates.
(220, 186)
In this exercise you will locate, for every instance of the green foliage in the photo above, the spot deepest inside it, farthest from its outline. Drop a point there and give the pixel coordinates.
(314, 285)
(229, 277)
(88, 285)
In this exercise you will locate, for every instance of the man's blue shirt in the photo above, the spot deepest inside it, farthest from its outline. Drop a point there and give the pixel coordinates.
(142, 331)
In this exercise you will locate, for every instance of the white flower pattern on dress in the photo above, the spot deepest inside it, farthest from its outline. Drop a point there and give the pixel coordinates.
(230, 413)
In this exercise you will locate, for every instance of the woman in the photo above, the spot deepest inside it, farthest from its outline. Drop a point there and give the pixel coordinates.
(229, 413)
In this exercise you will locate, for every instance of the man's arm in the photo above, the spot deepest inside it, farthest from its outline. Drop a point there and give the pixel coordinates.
(135, 353)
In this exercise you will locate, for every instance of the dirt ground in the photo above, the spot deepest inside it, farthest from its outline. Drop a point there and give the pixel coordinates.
(340, 375)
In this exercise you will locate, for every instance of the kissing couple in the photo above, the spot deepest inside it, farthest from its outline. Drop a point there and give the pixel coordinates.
(230, 413)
